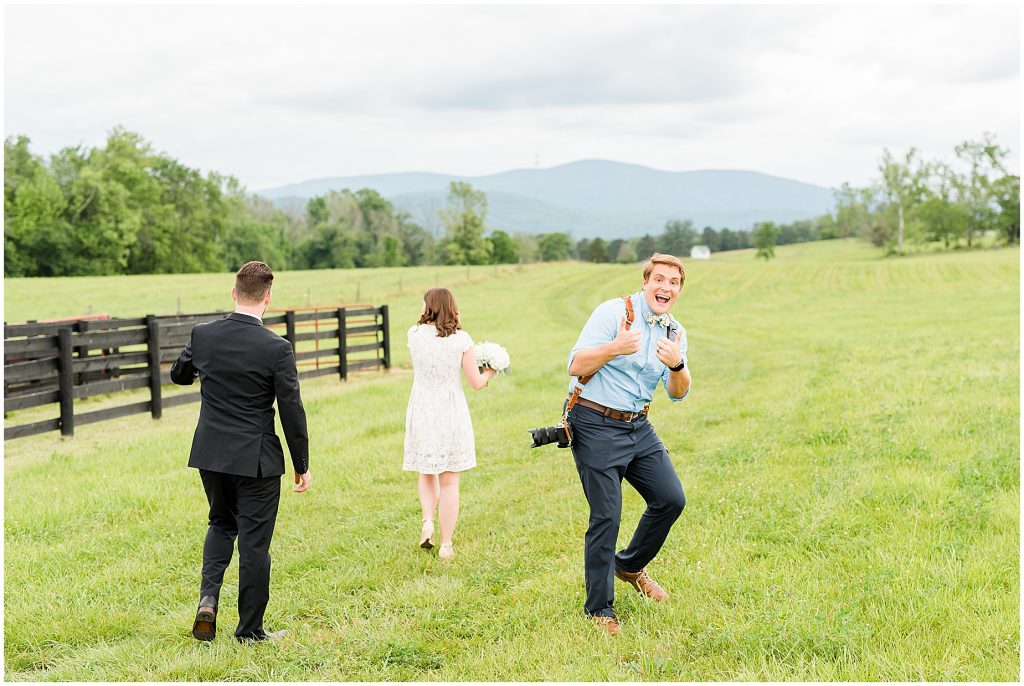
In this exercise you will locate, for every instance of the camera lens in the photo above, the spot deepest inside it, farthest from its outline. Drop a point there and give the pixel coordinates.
(549, 434)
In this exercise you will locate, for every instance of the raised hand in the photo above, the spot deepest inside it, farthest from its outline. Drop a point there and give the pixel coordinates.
(628, 340)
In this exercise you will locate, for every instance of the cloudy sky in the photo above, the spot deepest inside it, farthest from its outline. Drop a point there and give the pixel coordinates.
(276, 94)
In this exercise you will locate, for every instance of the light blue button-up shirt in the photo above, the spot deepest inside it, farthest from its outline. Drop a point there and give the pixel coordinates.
(627, 382)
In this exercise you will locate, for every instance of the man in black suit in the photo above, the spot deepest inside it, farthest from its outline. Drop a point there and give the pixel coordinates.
(243, 367)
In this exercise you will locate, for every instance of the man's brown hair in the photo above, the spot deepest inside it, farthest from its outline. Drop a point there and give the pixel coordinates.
(442, 311)
(661, 258)
(252, 282)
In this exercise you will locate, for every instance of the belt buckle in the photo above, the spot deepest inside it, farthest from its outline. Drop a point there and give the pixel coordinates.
(631, 416)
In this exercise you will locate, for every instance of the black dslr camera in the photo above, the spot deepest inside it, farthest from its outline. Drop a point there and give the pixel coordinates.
(550, 434)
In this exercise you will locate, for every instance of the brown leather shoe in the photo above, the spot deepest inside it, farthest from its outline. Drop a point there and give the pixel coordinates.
(643, 583)
(609, 624)
(205, 626)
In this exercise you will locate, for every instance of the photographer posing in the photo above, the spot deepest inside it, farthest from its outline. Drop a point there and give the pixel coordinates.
(626, 347)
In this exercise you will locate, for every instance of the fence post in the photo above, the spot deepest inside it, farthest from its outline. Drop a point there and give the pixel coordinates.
(387, 336)
(153, 343)
(66, 382)
(289, 324)
(82, 352)
(342, 346)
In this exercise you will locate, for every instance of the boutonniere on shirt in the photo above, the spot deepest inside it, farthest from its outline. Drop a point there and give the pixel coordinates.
(662, 319)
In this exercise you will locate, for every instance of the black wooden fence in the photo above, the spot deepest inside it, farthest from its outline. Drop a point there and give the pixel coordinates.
(61, 362)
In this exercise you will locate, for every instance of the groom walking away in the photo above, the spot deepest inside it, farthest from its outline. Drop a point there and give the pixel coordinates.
(243, 367)
(626, 347)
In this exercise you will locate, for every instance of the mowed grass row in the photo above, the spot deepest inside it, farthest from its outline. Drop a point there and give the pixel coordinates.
(849, 452)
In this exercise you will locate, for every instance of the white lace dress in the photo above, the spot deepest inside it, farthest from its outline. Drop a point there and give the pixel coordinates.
(438, 430)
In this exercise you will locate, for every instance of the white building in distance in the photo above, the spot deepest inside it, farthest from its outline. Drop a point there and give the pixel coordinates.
(700, 252)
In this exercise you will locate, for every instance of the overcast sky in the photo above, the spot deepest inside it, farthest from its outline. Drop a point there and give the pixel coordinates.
(277, 94)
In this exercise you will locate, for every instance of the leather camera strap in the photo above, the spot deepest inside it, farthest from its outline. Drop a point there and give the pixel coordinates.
(575, 395)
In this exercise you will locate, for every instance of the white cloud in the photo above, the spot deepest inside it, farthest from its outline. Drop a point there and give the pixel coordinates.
(276, 94)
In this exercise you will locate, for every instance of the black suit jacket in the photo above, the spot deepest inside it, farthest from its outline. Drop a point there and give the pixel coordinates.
(243, 367)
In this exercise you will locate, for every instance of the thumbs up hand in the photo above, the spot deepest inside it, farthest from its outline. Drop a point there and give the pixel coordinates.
(627, 340)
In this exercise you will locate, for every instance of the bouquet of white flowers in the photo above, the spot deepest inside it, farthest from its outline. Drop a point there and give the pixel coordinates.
(492, 355)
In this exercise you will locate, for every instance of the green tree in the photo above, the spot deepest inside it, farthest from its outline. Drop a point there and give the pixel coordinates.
(940, 215)
(249, 240)
(942, 220)
(331, 246)
(613, 248)
(417, 242)
(879, 228)
(390, 252)
(183, 217)
(984, 159)
(316, 211)
(678, 238)
(597, 252)
(710, 238)
(378, 229)
(527, 246)
(625, 254)
(582, 249)
(106, 190)
(852, 210)
(827, 228)
(727, 240)
(505, 249)
(361, 229)
(765, 236)
(902, 186)
(35, 231)
(554, 247)
(646, 246)
(1007, 194)
(463, 219)
(254, 230)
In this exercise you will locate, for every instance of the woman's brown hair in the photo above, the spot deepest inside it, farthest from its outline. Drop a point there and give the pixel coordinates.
(442, 311)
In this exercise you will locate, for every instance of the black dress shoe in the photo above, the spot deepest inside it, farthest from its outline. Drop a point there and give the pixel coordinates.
(205, 626)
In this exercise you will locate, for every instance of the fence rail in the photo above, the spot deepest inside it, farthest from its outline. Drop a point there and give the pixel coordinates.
(60, 362)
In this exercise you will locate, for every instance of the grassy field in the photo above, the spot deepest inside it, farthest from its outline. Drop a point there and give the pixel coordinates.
(849, 451)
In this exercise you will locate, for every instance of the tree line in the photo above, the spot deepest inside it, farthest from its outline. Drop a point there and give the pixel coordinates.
(124, 208)
(915, 203)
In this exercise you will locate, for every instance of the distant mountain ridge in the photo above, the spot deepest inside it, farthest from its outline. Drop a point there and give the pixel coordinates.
(591, 198)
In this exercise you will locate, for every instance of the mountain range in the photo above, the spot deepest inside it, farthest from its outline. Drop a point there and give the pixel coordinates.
(590, 198)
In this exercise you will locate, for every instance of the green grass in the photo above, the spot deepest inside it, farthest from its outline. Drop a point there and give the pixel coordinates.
(849, 453)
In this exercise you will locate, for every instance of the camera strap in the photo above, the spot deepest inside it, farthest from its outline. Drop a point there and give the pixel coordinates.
(582, 380)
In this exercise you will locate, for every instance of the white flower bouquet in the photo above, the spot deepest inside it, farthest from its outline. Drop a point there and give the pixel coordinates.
(492, 355)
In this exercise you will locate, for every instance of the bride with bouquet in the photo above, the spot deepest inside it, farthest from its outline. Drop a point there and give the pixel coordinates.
(439, 440)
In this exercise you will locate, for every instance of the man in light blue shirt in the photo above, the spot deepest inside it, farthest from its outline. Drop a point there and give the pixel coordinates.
(626, 347)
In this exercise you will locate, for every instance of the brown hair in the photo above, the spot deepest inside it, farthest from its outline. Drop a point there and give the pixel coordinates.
(661, 258)
(252, 282)
(442, 311)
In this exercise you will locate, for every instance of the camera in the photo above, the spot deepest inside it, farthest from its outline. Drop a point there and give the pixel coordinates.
(550, 434)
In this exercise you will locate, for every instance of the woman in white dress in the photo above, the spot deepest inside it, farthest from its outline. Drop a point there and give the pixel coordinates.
(438, 431)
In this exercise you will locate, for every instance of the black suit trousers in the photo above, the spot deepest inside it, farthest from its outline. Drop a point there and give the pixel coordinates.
(245, 508)
(607, 451)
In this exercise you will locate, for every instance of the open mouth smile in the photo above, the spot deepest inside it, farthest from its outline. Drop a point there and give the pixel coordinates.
(662, 298)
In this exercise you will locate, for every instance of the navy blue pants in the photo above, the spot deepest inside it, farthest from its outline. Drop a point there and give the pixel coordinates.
(607, 451)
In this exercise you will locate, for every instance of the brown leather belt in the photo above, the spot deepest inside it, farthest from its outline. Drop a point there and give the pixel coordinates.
(609, 412)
